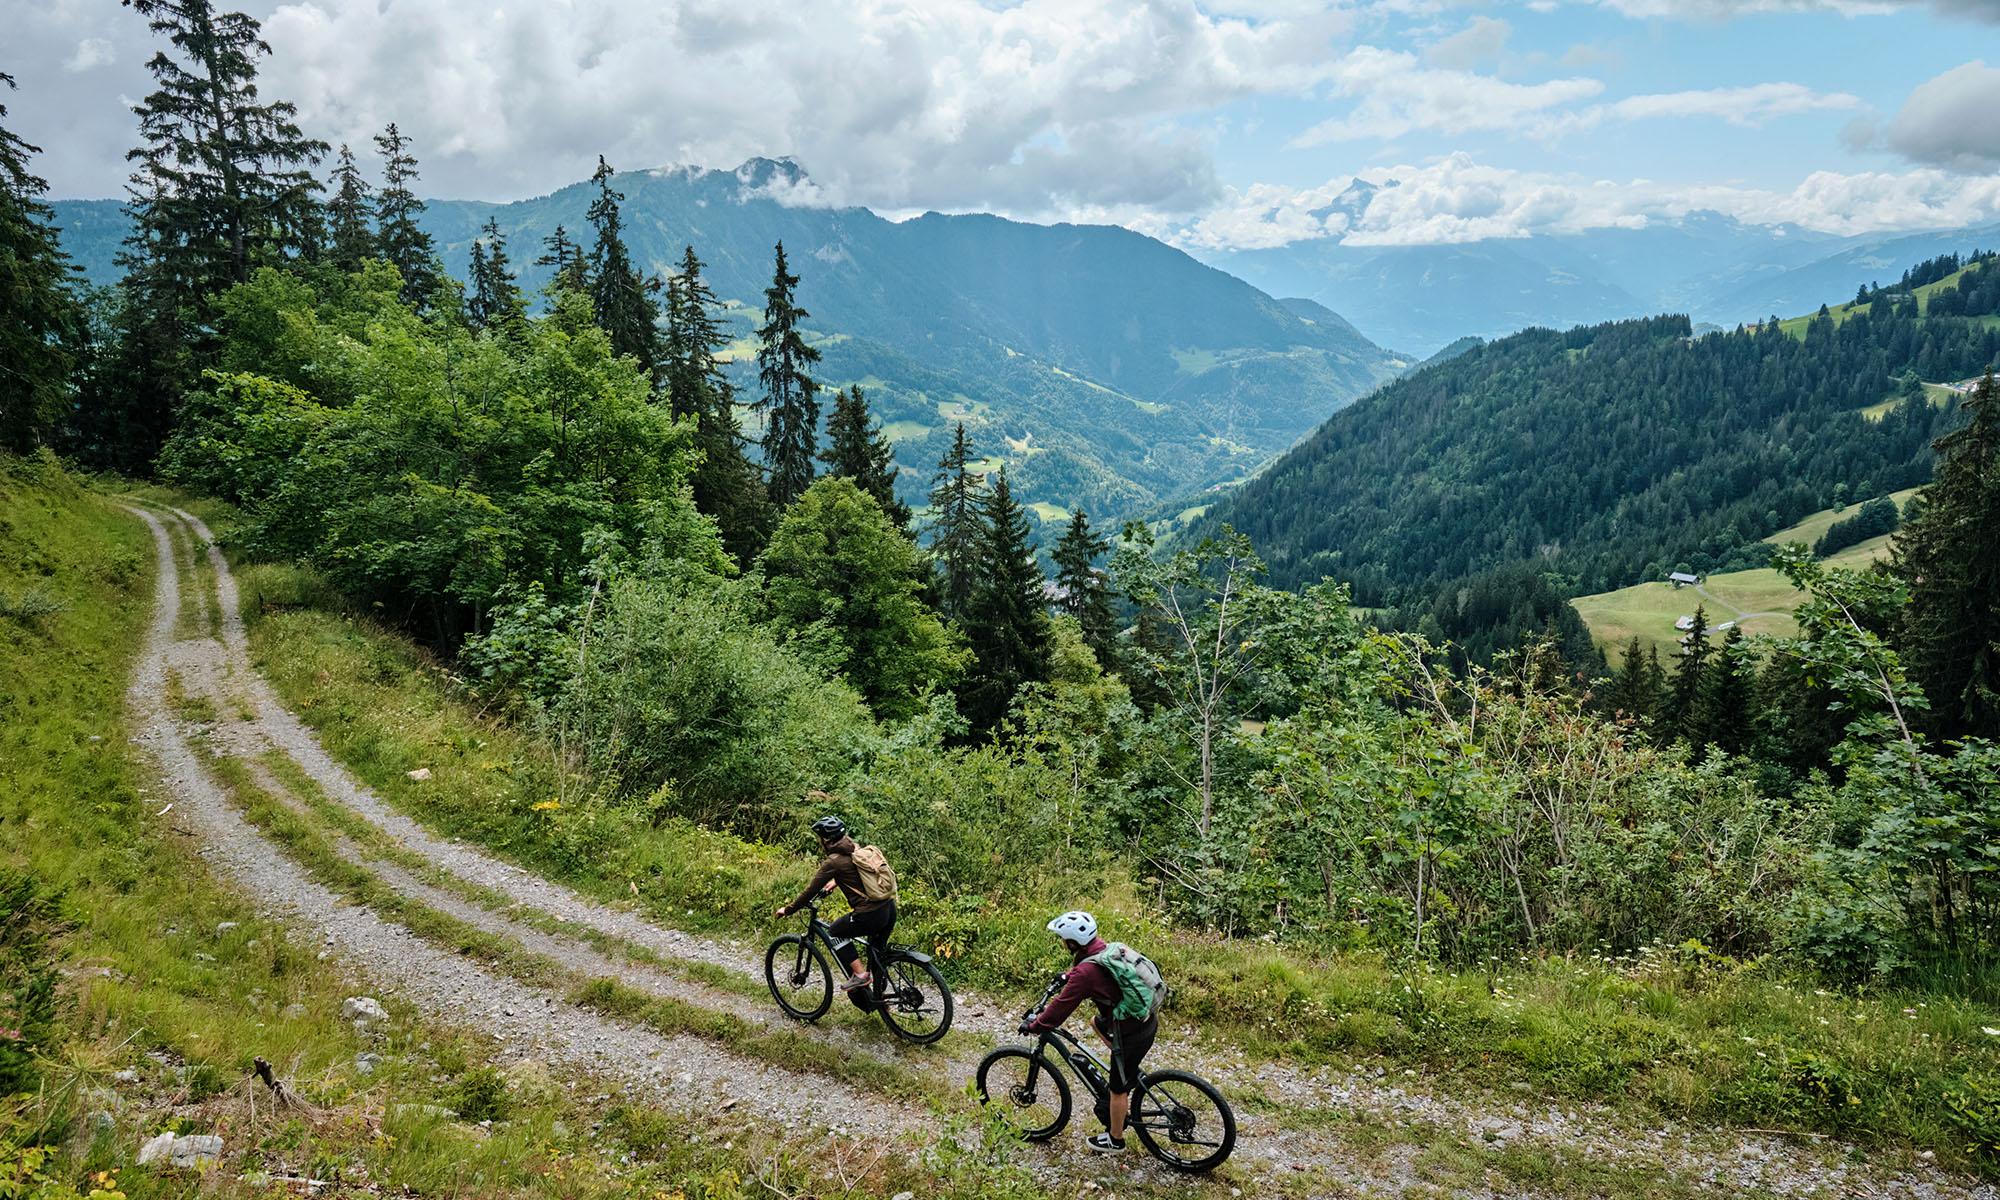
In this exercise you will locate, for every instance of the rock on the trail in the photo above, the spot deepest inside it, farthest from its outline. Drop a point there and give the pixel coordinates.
(182, 1150)
(363, 1011)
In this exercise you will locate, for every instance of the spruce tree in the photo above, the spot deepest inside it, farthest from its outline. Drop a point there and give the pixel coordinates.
(726, 484)
(572, 274)
(1632, 691)
(42, 322)
(401, 241)
(495, 302)
(1008, 624)
(1683, 702)
(222, 184)
(857, 450)
(1949, 555)
(1081, 590)
(1725, 705)
(350, 215)
(789, 404)
(618, 292)
(954, 528)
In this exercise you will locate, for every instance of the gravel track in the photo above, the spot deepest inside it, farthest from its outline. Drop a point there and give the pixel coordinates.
(697, 1074)
(682, 1073)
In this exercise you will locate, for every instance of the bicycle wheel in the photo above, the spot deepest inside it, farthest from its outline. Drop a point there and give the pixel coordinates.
(1037, 1112)
(1183, 1121)
(914, 1000)
(800, 981)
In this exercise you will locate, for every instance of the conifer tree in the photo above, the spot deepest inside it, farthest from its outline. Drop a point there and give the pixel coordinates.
(1949, 555)
(495, 302)
(857, 450)
(1725, 705)
(42, 321)
(222, 183)
(1632, 691)
(955, 528)
(1683, 703)
(400, 240)
(618, 292)
(1008, 624)
(726, 484)
(350, 215)
(572, 274)
(789, 404)
(1081, 590)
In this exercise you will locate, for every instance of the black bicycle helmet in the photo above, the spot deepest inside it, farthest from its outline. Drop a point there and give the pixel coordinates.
(830, 829)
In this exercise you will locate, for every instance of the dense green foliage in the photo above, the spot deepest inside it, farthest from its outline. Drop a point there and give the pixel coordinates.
(856, 450)
(1609, 454)
(1873, 519)
(40, 321)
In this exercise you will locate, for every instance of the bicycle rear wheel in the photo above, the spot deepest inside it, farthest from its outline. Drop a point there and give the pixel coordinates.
(1183, 1120)
(914, 1000)
(798, 976)
(1031, 1096)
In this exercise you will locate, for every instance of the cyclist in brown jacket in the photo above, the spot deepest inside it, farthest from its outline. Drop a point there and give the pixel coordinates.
(872, 919)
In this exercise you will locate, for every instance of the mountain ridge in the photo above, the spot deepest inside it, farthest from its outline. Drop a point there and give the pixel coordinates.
(1101, 366)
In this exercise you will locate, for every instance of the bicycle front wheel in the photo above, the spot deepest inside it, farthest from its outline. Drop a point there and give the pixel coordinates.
(1184, 1121)
(1031, 1097)
(914, 1000)
(800, 981)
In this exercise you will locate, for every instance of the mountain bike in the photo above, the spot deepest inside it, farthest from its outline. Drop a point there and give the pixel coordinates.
(907, 991)
(1180, 1117)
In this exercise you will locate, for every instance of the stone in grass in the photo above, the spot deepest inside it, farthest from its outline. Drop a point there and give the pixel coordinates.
(420, 774)
(223, 927)
(363, 1011)
(182, 1150)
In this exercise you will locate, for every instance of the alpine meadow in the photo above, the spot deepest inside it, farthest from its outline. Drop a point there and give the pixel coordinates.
(538, 663)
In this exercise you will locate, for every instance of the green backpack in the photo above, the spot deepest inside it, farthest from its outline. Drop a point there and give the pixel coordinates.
(1141, 989)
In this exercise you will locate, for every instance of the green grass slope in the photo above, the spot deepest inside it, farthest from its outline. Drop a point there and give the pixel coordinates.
(1760, 600)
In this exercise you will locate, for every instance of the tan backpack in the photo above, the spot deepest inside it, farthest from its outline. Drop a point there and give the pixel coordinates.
(878, 879)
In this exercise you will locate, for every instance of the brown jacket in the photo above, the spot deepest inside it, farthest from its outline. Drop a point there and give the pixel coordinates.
(838, 868)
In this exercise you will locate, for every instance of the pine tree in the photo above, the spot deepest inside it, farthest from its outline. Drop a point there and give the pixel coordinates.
(350, 215)
(42, 322)
(789, 406)
(726, 484)
(1008, 624)
(618, 292)
(1632, 691)
(1683, 702)
(954, 528)
(222, 184)
(1724, 708)
(401, 241)
(1081, 590)
(572, 274)
(857, 450)
(495, 302)
(1949, 555)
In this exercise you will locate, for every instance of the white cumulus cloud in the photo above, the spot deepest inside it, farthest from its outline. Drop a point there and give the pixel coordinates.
(1950, 121)
(1459, 199)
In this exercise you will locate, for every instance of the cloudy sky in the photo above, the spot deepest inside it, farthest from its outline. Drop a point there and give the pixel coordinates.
(1216, 123)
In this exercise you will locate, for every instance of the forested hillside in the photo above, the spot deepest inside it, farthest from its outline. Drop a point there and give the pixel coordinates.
(1613, 453)
(1104, 368)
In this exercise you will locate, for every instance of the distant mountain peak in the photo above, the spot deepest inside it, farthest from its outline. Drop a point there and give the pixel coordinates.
(761, 172)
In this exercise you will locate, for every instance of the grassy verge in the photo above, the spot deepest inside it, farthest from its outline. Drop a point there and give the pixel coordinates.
(169, 984)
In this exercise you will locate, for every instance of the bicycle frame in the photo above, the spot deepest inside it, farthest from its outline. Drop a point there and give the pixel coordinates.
(821, 931)
(1070, 1050)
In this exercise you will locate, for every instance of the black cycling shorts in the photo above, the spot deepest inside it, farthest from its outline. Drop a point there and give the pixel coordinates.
(1134, 1039)
(875, 924)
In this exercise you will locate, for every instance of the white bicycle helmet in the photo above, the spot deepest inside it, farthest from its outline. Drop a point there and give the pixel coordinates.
(1075, 927)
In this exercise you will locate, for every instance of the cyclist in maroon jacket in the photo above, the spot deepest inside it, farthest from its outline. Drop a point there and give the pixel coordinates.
(1129, 1039)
